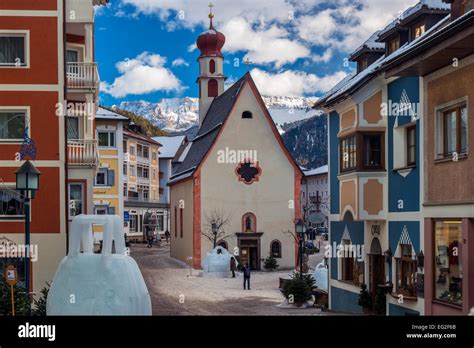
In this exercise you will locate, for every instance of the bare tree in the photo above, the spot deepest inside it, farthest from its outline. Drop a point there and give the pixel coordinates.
(220, 220)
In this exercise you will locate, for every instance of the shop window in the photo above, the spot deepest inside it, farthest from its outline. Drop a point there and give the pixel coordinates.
(406, 271)
(275, 249)
(348, 153)
(12, 125)
(11, 203)
(448, 261)
(133, 222)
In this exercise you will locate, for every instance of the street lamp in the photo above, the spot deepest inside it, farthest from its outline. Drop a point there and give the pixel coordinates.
(214, 232)
(27, 182)
(300, 229)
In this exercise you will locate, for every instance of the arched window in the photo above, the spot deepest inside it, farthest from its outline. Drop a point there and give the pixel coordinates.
(247, 114)
(212, 66)
(275, 248)
(212, 88)
(249, 223)
(223, 244)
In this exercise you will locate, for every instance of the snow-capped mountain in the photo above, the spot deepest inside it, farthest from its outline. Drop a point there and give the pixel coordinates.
(180, 114)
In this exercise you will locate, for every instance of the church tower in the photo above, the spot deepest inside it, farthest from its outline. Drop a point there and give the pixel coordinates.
(211, 67)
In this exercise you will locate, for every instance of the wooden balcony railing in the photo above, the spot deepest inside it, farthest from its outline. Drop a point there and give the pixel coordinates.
(82, 152)
(82, 76)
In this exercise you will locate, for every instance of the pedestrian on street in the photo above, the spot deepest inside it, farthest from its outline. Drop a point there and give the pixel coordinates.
(150, 238)
(233, 266)
(246, 271)
(167, 235)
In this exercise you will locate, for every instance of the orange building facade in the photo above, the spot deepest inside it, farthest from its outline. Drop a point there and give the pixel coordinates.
(46, 62)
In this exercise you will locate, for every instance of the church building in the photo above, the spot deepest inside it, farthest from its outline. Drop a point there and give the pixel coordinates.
(237, 172)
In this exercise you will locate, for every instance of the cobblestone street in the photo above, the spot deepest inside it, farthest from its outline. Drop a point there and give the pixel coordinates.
(175, 292)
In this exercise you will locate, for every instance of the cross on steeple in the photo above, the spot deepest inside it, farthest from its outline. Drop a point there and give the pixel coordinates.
(211, 15)
(248, 62)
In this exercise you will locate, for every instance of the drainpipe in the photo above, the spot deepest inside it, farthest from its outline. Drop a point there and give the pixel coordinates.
(66, 177)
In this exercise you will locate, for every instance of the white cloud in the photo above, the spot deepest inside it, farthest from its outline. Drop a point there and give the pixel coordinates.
(325, 57)
(294, 83)
(179, 62)
(346, 25)
(144, 74)
(280, 31)
(264, 45)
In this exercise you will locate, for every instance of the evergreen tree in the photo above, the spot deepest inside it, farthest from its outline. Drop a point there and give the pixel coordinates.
(270, 263)
(365, 299)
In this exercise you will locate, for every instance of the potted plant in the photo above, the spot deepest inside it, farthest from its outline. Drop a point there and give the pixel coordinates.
(365, 299)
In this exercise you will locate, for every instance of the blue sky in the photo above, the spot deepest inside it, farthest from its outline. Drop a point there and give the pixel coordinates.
(145, 47)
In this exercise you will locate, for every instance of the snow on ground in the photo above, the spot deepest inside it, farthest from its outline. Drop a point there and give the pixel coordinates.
(175, 292)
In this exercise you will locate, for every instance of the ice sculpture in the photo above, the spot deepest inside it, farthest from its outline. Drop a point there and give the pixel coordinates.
(217, 263)
(321, 276)
(98, 284)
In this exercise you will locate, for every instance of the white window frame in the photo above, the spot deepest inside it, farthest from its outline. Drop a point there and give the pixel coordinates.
(108, 139)
(132, 170)
(101, 207)
(80, 49)
(27, 111)
(106, 184)
(83, 190)
(439, 135)
(17, 33)
(12, 218)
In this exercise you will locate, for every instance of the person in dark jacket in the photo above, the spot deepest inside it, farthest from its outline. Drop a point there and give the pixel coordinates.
(167, 235)
(246, 270)
(233, 266)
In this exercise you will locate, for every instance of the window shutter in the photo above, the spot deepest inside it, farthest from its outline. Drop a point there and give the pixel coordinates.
(111, 210)
(111, 178)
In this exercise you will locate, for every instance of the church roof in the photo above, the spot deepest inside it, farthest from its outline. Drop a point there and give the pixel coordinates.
(215, 118)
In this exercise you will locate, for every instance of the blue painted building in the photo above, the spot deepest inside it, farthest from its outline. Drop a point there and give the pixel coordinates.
(375, 174)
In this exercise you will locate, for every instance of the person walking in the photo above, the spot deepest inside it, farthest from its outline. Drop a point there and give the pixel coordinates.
(167, 235)
(246, 271)
(233, 266)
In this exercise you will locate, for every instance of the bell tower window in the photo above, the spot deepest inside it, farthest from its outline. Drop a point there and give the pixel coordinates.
(212, 66)
(212, 88)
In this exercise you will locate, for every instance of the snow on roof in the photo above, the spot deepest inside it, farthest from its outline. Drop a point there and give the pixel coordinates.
(108, 115)
(429, 4)
(320, 170)
(371, 44)
(372, 69)
(170, 145)
(185, 152)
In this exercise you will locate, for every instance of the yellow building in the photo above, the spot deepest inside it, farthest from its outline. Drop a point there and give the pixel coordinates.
(108, 183)
(141, 180)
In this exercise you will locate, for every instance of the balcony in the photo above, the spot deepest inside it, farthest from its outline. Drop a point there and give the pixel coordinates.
(82, 77)
(143, 160)
(82, 153)
(143, 181)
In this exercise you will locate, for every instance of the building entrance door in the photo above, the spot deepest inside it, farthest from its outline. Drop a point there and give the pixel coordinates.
(249, 249)
(249, 255)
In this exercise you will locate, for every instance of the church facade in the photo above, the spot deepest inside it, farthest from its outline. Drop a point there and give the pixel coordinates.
(237, 172)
